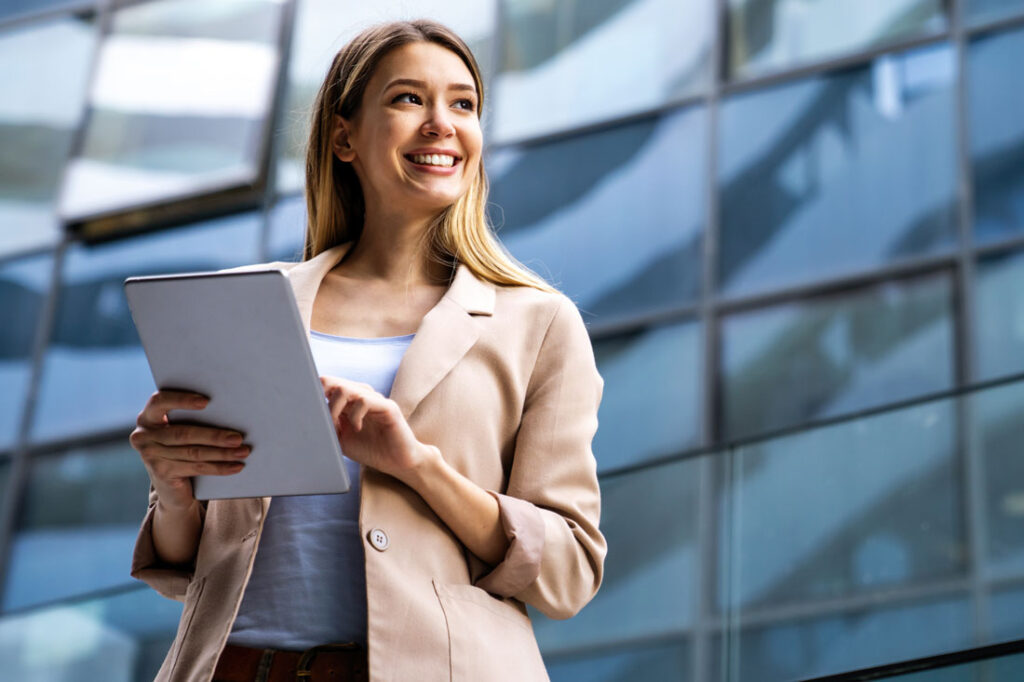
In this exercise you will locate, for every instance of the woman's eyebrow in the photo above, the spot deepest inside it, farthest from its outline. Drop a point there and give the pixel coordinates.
(421, 84)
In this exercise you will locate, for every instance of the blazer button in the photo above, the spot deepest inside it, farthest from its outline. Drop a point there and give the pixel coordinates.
(379, 539)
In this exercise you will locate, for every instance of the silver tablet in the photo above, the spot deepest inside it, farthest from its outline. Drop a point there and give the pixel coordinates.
(237, 337)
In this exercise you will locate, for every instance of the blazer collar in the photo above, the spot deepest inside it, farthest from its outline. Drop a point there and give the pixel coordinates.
(445, 335)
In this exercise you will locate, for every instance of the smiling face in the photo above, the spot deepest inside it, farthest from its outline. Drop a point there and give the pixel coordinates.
(415, 141)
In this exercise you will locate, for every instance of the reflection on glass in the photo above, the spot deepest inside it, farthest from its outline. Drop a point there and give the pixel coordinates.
(178, 103)
(570, 62)
(999, 325)
(843, 510)
(322, 27)
(980, 11)
(643, 662)
(123, 638)
(650, 581)
(838, 173)
(77, 524)
(45, 66)
(652, 394)
(24, 285)
(287, 230)
(857, 639)
(775, 34)
(1007, 609)
(995, 102)
(831, 355)
(999, 430)
(614, 219)
(95, 374)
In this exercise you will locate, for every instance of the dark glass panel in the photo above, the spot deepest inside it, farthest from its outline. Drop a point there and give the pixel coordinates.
(650, 587)
(566, 63)
(1007, 613)
(77, 524)
(24, 285)
(178, 104)
(95, 374)
(652, 394)
(118, 638)
(845, 510)
(615, 218)
(829, 355)
(43, 72)
(995, 105)
(660, 662)
(980, 11)
(769, 35)
(839, 173)
(999, 316)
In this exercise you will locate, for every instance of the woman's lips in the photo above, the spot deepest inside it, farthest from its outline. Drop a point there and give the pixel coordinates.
(435, 170)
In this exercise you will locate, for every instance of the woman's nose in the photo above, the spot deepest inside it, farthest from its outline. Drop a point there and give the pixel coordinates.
(438, 124)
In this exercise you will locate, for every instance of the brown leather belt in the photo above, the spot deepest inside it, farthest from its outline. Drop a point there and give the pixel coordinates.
(334, 662)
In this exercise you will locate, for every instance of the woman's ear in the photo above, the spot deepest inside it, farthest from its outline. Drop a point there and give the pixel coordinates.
(340, 143)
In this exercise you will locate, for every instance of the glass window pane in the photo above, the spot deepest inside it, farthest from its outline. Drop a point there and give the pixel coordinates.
(999, 432)
(566, 63)
(322, 27)
(24, 286)
(77, 524)
(652, 394)
(643, 662)
(120, 638)
(650, 585)
(857, 639)
(95, 375)
(775, 34)
(177, 106)
(840, 173)
(995, 102)
(999, 310)
(849, 509)
(830, 355)
(287, 230)
(1007, 616)
(614, 219)
(980, 11)
(43, 78)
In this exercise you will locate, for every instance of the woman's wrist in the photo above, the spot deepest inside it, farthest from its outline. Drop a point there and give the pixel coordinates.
(428, 464)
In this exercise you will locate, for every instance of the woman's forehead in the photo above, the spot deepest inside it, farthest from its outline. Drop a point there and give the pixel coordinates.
(428, 64)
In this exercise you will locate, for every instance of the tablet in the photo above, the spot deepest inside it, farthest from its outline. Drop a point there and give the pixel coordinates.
(237, 338)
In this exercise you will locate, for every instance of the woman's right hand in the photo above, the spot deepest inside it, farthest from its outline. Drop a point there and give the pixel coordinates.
(174, 453)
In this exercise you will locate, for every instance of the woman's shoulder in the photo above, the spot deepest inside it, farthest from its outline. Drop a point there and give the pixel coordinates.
(552, 309)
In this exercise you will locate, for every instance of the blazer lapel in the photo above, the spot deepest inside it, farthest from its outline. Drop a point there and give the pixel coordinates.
(445, 335)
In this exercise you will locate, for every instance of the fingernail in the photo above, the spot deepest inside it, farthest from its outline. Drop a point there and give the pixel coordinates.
(240, 452)
(235, 439)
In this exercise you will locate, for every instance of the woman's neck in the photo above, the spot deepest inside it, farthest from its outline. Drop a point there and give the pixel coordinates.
(394, 249)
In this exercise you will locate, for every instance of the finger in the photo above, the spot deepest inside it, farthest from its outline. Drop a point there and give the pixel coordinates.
(193, 434)
(172, 469)
(155, 411)
(356, 410)
(156, 453)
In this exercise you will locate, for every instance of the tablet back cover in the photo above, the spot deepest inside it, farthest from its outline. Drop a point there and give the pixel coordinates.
(237, 337)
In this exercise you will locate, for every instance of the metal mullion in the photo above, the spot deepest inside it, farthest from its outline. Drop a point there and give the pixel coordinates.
(1008, 23)
(601, 330)
(1003, 247)
(77, 9)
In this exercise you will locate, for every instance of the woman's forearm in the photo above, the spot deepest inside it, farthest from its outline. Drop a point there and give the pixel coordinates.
(466, 508)
(176, 533)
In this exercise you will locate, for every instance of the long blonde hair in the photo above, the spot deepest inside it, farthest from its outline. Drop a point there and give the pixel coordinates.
(334, 197)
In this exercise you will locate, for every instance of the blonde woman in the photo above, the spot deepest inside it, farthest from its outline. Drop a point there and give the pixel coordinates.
(464, 394)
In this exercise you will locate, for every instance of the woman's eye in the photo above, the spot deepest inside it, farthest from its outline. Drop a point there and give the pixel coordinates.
(467, 104)
(413, 98)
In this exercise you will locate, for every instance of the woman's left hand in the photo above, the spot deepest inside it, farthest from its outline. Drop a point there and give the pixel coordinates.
(372, 430)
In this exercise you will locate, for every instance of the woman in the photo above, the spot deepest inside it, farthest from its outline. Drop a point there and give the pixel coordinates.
(477, 489)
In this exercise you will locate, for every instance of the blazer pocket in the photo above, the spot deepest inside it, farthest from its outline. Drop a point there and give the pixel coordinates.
(488, 638)
(193, 593)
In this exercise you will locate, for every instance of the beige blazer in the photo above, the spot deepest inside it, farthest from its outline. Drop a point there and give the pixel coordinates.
(503, 381)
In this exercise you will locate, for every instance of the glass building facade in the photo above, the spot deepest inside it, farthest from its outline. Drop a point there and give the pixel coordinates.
(795, 230)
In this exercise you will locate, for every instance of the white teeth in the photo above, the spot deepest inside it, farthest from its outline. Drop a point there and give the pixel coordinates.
(434, 159)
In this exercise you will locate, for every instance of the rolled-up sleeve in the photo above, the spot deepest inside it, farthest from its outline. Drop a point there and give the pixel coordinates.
(551, 509)
(171, 581)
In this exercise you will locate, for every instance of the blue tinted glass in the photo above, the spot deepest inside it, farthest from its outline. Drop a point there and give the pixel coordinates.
(1007, 611)
(44, 68)
(848, 641)
(652, 394)
(794, 362)
(996, 103)
(774, 34)
(287, 230)
(77, 524)
(615, 218)
(999, 310)
(838, 173)
(122, 637)
(650, 585)
(95, 375)
(998, 434)
(24, 285)
(643, 662)
(979, 11)
(849, 509)
(565, 63)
